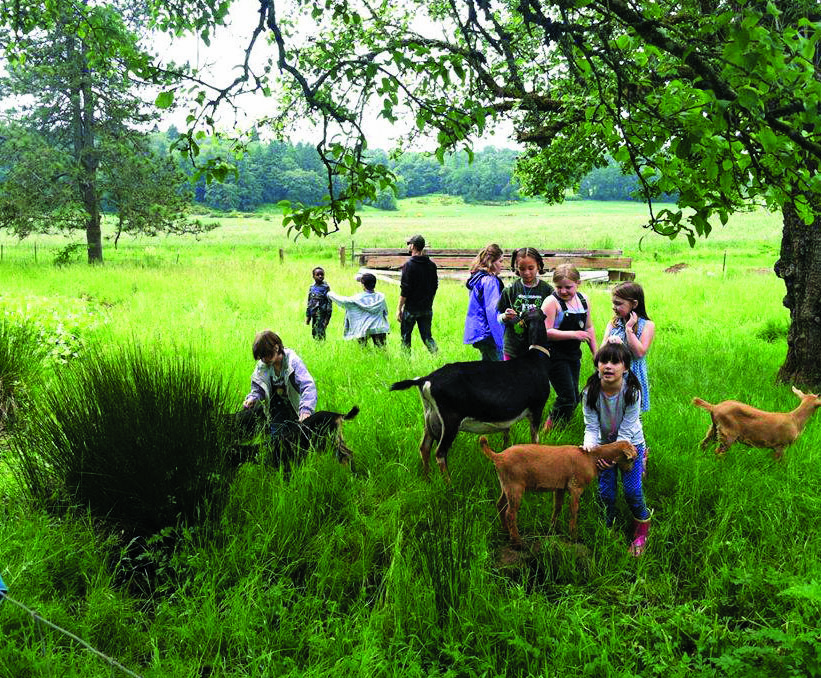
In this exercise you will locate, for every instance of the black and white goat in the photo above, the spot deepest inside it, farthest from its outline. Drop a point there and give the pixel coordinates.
(483, 397)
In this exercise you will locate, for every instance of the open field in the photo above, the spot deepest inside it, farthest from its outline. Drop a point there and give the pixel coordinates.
(382, 573)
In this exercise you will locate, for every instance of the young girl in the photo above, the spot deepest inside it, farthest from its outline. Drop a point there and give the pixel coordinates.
(319, 308)
(611, 403)
(482, 328)
(634, 329)
(569, 323)
(526, 293)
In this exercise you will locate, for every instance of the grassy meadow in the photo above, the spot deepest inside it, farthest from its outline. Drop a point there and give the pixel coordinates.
(383, 573)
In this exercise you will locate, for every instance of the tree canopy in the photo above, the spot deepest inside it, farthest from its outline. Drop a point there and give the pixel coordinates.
(717, 102)
(713, 101)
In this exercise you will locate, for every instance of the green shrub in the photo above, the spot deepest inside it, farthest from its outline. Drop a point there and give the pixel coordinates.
(20, 365)
(138, 437)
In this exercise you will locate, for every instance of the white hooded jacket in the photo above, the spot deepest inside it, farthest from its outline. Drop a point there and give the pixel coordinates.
(366, 313)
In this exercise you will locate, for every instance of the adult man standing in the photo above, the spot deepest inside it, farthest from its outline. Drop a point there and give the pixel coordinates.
(417, 290)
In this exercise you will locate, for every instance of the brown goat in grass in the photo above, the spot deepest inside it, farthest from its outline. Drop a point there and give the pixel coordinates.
(548, 468)
(734, 421)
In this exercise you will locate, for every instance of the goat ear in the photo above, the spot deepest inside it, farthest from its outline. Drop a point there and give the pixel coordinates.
(798, 392)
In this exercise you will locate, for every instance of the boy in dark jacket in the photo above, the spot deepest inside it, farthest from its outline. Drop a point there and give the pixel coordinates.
(319, 307)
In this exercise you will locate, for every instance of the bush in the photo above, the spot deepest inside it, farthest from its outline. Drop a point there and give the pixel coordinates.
(137, 437)
(20, 365)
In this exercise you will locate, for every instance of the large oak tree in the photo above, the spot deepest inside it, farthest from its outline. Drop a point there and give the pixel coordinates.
(715, 101)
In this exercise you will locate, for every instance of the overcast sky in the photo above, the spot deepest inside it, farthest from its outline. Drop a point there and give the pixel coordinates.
(220, 59)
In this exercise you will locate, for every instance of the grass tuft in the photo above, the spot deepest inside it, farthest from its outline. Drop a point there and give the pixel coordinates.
(136, 436)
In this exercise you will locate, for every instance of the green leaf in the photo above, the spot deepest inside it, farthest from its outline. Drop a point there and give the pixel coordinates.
(164, 99)
(768, 139)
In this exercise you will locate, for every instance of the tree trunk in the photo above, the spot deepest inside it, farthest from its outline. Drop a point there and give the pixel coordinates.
(94, 235)
(85, 153)
(800, 268)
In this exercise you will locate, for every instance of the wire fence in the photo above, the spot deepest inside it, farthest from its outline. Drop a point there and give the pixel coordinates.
(40, 621)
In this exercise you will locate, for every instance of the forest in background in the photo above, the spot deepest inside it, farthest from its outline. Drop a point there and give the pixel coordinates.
(268, 172)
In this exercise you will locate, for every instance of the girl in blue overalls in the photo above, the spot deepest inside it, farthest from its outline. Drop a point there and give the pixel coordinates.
(569, 323)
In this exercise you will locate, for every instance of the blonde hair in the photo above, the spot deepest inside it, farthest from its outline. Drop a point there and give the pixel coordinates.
(566, 271)
(486, 257)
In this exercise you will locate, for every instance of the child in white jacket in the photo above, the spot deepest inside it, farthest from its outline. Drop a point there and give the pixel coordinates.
(366, 313)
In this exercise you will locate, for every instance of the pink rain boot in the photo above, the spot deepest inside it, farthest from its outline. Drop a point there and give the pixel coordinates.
(642, 527)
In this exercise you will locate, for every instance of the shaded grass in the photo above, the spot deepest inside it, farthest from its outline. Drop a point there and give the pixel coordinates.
(21, 368)
(138, 437)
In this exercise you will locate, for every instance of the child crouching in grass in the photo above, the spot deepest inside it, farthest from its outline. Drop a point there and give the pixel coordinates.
(282, 389)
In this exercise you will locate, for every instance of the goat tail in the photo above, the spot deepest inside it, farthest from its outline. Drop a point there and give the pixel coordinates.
(354, 411)
(703, 404)
(490, 454)
(407, 383)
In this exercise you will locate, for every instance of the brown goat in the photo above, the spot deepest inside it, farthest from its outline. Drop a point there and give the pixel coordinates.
(548, 468)
(734, 421)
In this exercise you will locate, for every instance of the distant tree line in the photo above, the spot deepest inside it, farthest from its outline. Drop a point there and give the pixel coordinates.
(269, 172)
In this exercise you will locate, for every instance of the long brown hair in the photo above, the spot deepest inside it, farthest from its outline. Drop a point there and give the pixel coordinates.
(632, 291)
(486, 257)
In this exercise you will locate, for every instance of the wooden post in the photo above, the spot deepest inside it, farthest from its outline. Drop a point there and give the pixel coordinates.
(342, 260)
(353, 253)
(281, 256)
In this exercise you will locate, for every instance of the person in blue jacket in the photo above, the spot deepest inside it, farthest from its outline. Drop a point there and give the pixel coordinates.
(482, 328)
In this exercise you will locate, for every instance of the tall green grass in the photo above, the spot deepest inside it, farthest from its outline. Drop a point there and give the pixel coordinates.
(21, 367)
(385, 574)
(138, 437)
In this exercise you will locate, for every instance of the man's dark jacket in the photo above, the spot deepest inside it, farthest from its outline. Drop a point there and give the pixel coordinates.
(419, 283)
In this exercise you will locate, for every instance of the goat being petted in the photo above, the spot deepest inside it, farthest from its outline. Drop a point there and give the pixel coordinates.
(733, 421)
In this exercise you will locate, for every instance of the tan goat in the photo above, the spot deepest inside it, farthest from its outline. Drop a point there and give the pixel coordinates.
(557, 469)
(734, 421)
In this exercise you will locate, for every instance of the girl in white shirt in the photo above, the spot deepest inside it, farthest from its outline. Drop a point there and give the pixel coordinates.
(611, 402)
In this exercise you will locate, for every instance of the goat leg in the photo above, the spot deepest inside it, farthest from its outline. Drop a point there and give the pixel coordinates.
(424, 451)
(575, 495)
(558, 499)
(724, 442)
(710, 437)
(501, 509)
(448, 436)
(513, 500)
